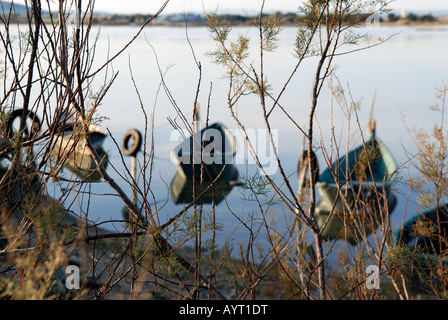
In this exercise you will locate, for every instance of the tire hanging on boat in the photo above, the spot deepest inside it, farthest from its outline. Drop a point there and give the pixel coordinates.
(136, 137)
(29, 132)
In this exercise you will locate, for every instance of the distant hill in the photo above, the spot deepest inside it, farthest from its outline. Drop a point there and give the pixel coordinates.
(6, 6)
(20, 9)
(435, 13)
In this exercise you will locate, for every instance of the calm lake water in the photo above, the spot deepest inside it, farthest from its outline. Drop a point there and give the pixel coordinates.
(405, 71)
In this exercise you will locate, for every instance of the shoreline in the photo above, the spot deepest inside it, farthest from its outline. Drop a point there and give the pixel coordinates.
(400, 23)
(200, 21)
(442, 26)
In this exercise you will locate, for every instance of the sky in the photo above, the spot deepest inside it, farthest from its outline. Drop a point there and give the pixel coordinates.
(236, 6)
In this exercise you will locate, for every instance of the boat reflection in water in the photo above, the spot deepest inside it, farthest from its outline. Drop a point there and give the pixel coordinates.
(182, 188)
(367, 172)
(204, 163)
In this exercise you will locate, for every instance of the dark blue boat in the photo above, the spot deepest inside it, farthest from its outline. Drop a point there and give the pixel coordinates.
(364, 176)
(369, 166)
(205, 154)
(428, 238)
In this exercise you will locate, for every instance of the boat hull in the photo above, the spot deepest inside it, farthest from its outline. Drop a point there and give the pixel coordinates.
(367, 210)
(429, 223)
(205, 154)
(364, 180)
(181, 188)
(77, 157)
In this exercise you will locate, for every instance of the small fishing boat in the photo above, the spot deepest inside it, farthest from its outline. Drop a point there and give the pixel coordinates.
(369, 167)
(422, 231)
(205, 153)
(363, 177)
(182, 188)
(71, 148)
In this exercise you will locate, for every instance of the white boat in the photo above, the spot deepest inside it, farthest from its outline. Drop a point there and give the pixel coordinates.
(72, 150)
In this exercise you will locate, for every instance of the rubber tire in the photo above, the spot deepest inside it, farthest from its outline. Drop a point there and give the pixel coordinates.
(18, 114)
(136, 137)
